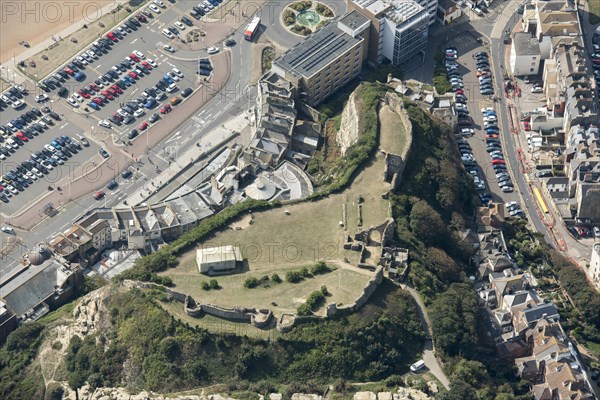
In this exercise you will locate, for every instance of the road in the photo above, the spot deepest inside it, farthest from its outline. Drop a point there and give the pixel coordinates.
(431, 361)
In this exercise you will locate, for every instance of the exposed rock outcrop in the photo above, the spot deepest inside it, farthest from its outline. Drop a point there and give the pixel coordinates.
(349, 127)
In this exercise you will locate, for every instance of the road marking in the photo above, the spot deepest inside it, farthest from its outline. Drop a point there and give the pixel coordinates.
(98, 66)
(64, 125)
(174, 137)
(134, 40)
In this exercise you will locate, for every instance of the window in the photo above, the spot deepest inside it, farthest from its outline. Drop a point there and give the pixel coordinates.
(531, 69)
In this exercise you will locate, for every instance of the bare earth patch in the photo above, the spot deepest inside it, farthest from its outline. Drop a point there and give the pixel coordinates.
(393, 132)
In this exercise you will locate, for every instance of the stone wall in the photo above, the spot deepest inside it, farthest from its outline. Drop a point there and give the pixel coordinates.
(261, 318)
(395, 163)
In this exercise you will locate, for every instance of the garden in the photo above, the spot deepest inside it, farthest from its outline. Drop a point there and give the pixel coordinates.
(304, 17)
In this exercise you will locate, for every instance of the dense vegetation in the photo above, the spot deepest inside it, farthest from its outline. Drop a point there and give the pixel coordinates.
(149, 349)
(432, 207)
(440, 75)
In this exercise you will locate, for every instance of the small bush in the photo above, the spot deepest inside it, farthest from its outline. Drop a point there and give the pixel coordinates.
(319, 268)
(251, 283)
(314, 301)
(213, 283)
(204, 285)
(294, 277)
(57, 345)
(275, 278)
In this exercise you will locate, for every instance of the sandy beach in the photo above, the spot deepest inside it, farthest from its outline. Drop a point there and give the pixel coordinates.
(35, 21)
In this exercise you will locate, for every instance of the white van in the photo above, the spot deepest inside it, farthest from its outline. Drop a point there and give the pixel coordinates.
(417, 366)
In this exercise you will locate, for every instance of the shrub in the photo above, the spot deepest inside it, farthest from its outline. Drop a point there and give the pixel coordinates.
(314, 301)
(294, 277)
(319, 268)
(251, 283)
(213, 284)
(204, 285)
(275, 278)
(323, 10)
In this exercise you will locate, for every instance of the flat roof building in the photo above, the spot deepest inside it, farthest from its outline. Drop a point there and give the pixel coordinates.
(525, 54)
(215, 260)
(328, 59)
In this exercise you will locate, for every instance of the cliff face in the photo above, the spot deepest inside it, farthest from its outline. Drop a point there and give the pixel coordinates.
(349, 128)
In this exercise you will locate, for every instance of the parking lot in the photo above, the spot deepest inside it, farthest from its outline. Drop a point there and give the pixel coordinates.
(78, 119)
(485, 142)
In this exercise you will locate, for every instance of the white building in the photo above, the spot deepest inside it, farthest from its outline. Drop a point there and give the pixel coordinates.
(399, 28)
(215, 260)
(525, 55)
(594, 271)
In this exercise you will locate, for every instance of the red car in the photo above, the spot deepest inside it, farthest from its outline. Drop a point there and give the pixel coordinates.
(526, 126)
(166, 109)
(84, 93)
(143, 126)
(69, 71)
(118, 116)
(134, 57)
(141, 18)
(117, 89)
(24, 138)
(112, 91)
(496, 162)
(94, 87)
(112, 37)
(132, 74)
(97, 100)
(106, 94)
(99, 195)
(147, 65)
(459, 91)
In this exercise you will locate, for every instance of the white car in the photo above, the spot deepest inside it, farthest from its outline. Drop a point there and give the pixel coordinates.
(47, 165)
(139, 54)
(122, 113)
(177, 72)
(92, 54)
(31, 175)
(37, 172)
(467, 132)
(82, 60)
(117, 70)
(154, 8)
(8, 229)
(77, 97)
(160, 3)
(17, 104)
(72, 102)
(171, 88)
(41, 98)
(486, 109)
(180, 26)
(460, 106)
(597, 232)
(122, 31)
(174, 76)
(168, 48)
(58, 159)
(212, 50)
(139, 112)
(537, 89)
(152, 62)
(49, 148)
(104, 123)
(12, 189)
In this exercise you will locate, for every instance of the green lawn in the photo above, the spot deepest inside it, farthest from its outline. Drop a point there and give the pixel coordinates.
(393, 132)
(277, 242)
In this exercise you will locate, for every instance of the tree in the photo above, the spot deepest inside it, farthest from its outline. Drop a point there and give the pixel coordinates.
(213, 284)
(459, 390)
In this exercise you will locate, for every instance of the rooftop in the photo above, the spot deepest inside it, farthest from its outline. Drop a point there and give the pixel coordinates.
(219, 254)
(525, 44)
(317, 51)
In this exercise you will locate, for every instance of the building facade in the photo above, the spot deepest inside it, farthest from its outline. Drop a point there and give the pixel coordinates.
(399, 28)
(525, 55)
(327, 60)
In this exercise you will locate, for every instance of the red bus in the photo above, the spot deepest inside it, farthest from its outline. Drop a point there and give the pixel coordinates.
(252, 28)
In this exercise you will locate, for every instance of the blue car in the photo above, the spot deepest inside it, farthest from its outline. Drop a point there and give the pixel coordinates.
(151, 103)
(17, 124)
(130, 80)
(125, 81)
(55, 144)
(93, 105)
(80, 76)
(168, 79)
(489, 113)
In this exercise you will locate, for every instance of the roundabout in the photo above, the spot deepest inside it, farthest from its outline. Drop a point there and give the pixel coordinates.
(304, 17)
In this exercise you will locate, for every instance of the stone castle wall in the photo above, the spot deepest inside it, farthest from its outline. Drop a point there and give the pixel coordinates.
(395, 163)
